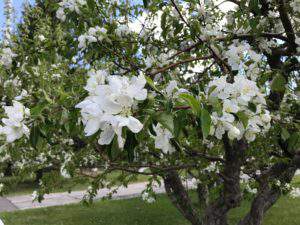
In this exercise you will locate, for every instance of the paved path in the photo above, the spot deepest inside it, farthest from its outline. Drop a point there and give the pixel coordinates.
(25, 201)
(6, 205)
(133, 190)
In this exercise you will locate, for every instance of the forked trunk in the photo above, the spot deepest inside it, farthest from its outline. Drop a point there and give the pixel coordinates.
(179, 197)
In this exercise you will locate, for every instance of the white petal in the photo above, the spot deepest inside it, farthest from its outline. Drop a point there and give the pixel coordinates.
(141, 95)
(121, 140)
(125, 100)
(92, 126)
(106, 136)
(134, 125)
(83, 104)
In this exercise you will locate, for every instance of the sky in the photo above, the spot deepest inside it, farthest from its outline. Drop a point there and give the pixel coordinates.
(18, 8)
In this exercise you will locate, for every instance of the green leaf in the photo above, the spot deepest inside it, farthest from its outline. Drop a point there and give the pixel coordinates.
(145, 3)
(180, 122)
(252, 107)
(211, 89)
(114, 150)
(284, 134)
(91, 4)
(130, 145)
(205, 122)
(254, 6)
(278, 83)
(47, 97)
(243, 118)
(254, 24)
(164, 23)
(294, 142)
(166, 119)
(178, 27)
(216, 104)
(37, 110)
(151, 83)
(192, 102)
(34, 136)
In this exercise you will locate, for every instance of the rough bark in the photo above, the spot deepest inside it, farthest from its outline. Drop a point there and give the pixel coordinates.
(216, 212)
(203, 194)
(179, 197)
(267, 195)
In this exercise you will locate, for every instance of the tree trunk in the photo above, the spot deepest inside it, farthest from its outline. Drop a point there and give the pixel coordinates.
(8, 171)
(203, 194)
(267, 196)
(179, 197)
(259, 206)
(216, 212)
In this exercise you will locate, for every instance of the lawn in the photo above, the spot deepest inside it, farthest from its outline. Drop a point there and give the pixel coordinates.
(136, 212)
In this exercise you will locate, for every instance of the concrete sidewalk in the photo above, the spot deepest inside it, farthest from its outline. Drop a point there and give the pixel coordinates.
(25, 201)
(6, 205)
(56, 199)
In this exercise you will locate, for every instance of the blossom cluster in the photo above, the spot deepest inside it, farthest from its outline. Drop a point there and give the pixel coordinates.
(173, 91)
(109, 105)
(237, 53)
(297, 40)
(14, 126)
(295, 5)
(243, 108)
(295, 193)
(162, 139)
(123, 30)
(72, 5)
(94, 34)
(148, 198)
(6, 57)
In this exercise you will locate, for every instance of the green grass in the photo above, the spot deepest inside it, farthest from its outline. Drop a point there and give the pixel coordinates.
(136, 212)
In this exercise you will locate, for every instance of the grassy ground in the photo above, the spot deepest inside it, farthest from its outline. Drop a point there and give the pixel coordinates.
(136, 212)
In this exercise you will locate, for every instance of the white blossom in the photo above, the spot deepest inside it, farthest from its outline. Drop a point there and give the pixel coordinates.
(71, 5)
(295, 5)
(162, 139)
(6, 57)
(172, 89)
(122, 30)
(14, 127)
(148, 198)
(295, 193)
(235, 98)
(60, 14)
(34, 195)
(94, 34)
(297, 40)
(237, 54)
(64, 172)
(23, 94)
(109, 106)
(96, 78)
(41, 38)
(233, 132)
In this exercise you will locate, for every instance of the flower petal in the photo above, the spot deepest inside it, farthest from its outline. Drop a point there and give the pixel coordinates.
(134, 124)
(106, 136)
